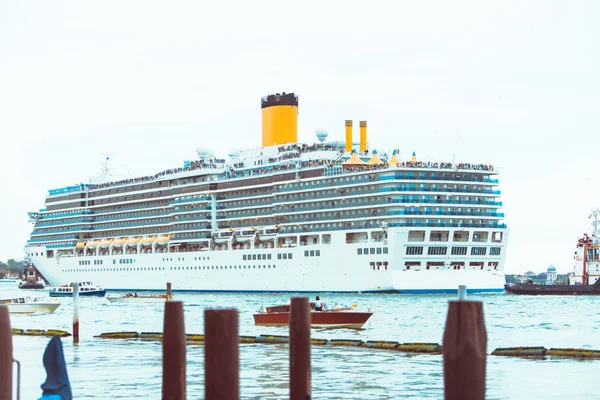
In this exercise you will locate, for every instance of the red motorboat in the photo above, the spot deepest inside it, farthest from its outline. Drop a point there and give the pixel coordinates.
(338, 317)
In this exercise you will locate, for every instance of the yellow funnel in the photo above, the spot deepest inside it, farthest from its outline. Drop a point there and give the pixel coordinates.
(414, 157)
(363, 136)
(348, 135)
(279, 119)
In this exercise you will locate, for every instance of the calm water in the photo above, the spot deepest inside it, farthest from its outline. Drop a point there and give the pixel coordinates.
(102, 369)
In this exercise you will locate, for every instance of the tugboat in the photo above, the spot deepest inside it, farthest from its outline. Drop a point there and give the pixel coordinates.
(32, 279)
(585, 278)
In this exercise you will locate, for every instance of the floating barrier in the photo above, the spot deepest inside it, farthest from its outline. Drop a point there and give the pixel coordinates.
(427, 348)
(40, 332)
(423, 348)
(574, 353)
(520, 351)
(380, 344)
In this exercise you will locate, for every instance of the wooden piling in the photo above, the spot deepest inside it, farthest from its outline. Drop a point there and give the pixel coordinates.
(464, 349)
(221, 355)
(75, 312)
(169, 294)
(299, 349)
(6, 356)
(174, 348)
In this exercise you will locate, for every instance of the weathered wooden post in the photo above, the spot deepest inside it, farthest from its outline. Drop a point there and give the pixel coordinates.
(300, 349)
(174, 348)
(169, 294)
(75, 312)
(6, 356)
(464, 348)
(221, 355)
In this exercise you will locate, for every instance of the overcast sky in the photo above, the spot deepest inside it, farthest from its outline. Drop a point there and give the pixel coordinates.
(515, 85)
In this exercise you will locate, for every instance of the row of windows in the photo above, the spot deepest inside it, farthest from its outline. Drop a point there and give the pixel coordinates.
(372, 250)
(415, 265)
(268, 266)
(96, 262)
(312, 253)
(456, 251)
(377, 265)
(259, 256)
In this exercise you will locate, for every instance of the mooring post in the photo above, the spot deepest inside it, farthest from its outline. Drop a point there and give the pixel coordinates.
(300, 349)
(6, 356)
(169, 294)
(75, 312)
(173, 350)
(221, 355)
(464, 348)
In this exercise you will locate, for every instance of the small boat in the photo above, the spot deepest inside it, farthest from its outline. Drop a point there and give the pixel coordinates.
(9, 281)
(139, 298)
(133, 241)
(243, 235)
(32, 279)
(267, 233)
(105, 243)
(119, 242)
(29, 305)
(338, 317)
(223, 235)
(92, 244)
(148, 240)
(85, 289)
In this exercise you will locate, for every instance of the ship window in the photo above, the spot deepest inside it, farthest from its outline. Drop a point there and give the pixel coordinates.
(264, 257)
(279, 256)
(478, 251)
(480, 237)
(459, 251)
(318, 253)
(379, 250)
(372, 251)
(494, 251)
(244, 257)
(414, 251)
(254, 256)
(359, 251)
(285, 256)
(436, 251)
(305, 253)
(385, 250)
(268, 256)
(290, 256)
(312, 253)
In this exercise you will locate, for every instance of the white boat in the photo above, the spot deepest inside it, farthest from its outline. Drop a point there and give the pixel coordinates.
(244, 235)
(267, 233)
(223, 235)
(335, 217)
(9, 281)
(86, 289)
(29, 305)
(138, 298)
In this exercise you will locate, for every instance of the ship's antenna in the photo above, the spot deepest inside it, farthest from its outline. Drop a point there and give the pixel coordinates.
(455, 145)
(595, 223)
(105, 169)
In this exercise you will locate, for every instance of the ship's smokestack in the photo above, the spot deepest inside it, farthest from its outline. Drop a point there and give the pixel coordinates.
(279, 119)
(349, 135)
(363, 136)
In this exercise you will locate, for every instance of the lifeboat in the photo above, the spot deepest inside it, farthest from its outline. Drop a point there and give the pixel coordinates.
(133, 241)
(148, 240)
(80, 245)
(337, 317)
(119, 242)
(163, 240)
(268, 233)
(92, 244)
(222, 235)
(105, 243)
(243, 235)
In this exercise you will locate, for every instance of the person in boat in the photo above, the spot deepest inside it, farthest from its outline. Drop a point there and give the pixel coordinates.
(320, 305)
(135, 295)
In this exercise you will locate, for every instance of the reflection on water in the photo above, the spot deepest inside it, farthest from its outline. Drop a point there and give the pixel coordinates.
(101, 369)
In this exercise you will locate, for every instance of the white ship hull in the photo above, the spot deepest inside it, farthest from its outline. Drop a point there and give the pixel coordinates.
(33, 308)
(338, 268)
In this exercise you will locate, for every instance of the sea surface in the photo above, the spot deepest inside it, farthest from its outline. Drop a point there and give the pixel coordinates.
(121, 369)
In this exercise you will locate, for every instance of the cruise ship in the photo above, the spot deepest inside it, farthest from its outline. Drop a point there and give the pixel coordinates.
(332, 216)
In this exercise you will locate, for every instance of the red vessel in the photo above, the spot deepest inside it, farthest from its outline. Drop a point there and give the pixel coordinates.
(335, 318)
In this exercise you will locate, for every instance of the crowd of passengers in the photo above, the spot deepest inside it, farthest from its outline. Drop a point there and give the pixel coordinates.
(234, 171)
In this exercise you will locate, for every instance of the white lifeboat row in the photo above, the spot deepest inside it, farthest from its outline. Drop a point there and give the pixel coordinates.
(118, 242)
(243, 235)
